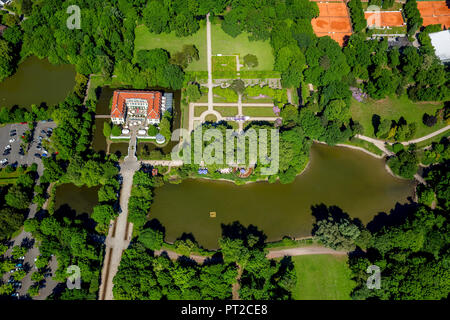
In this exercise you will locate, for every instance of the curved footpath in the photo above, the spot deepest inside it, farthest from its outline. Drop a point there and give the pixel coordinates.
(272, 254)
(381, 143)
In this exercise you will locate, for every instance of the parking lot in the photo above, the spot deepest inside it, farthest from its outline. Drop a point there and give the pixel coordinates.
(10, 144)
(10, 140)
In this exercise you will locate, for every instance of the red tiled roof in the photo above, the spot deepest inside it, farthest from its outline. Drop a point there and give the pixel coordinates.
(153, 99)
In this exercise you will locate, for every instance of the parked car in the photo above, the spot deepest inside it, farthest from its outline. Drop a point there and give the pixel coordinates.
(6, 152)
(8, 147)
(15, 295)
(37, 155)
(12, 140)
(3, 161)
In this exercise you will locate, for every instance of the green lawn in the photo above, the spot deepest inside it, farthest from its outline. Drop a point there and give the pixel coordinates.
(437, 138)
(211, 118)
(227, 111)
(199, 110)
(146, 40)
(322, 277)
(393, 108)
(222, 43)
(258, 111)
(8, 178)
(224, 63)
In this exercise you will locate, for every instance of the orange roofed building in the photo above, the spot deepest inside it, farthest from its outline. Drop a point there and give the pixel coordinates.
(136, 105)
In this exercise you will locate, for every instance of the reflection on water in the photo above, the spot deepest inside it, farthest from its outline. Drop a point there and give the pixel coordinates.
(37, 81)
(80, 199)
(349, 179)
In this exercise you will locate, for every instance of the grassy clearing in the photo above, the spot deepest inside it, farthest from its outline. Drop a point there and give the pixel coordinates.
(393, 108)
(322, 277)
(222, 43)
(146, 40)
(227, 111)
(8, 178)
(258, 111)
(224, 63)
(391, 30)
(199, 110)
(437, 138)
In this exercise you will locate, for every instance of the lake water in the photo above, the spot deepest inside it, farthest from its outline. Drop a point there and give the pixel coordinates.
(37, 81)
(80, 199)
(347, 178)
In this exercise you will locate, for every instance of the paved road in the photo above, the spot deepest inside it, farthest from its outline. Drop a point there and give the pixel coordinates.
(302, 252)
(165, 163)
(120, 232)
(428, 136)
(380, 144)
(209, 59)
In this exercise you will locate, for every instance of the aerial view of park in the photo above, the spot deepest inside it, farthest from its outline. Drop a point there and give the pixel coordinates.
(224, 150)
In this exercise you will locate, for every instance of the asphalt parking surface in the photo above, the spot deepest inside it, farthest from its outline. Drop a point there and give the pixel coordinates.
(29, 157)
(24, 237)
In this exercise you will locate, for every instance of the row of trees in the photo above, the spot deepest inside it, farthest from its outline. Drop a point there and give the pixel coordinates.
(15, 199)
(413, 18)
(143, 276)
(9, 44)
(359, 22)
(141, 198)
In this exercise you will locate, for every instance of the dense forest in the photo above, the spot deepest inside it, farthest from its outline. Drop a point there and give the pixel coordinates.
(143, 275)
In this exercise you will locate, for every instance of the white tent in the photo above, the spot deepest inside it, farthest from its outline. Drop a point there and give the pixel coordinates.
(441, 43)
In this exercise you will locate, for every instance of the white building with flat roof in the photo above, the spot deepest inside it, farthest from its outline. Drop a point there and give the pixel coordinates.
(441, 43)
